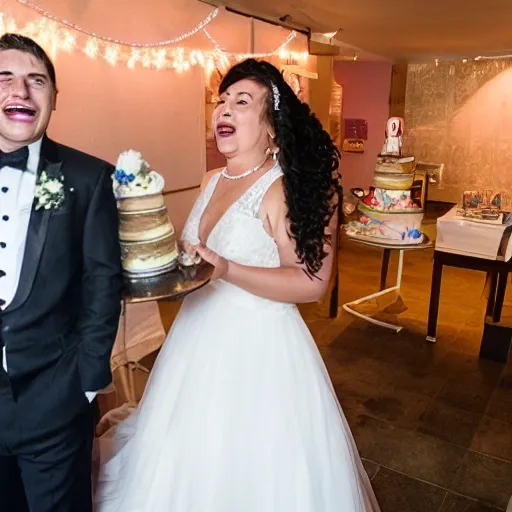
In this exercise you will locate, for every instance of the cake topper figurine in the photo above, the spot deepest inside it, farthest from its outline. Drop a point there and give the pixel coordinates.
(393, 143)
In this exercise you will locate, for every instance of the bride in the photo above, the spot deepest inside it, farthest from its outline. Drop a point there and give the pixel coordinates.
(239, 414)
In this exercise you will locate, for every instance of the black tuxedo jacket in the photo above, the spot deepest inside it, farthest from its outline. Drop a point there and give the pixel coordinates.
(61, 325)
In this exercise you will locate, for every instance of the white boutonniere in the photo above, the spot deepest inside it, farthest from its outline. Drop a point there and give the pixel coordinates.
(49, 192)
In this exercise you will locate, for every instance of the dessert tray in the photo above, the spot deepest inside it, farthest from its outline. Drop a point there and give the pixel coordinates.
(388, 244)
(171, 285)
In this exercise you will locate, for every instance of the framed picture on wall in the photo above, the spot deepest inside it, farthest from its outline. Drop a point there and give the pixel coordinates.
(355, 132)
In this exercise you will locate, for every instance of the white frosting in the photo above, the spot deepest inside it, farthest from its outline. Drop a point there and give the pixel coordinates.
(134, 178)
(151, 262)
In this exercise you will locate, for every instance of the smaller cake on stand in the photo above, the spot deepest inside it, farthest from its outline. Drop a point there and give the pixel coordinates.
(387, 212)
(389, 217)
(146, 234)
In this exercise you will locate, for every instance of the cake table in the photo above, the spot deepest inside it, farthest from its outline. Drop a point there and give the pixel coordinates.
(388, 247)
(171, 286)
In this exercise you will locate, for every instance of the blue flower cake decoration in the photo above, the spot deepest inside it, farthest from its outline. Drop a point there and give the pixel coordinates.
(134, 177)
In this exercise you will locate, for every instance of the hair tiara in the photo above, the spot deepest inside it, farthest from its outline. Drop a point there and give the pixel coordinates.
(276, 96)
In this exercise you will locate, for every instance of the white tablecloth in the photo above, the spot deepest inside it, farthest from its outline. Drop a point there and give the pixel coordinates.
(468, 238)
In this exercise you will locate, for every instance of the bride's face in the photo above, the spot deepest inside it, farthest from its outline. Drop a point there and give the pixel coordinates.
(240, 119)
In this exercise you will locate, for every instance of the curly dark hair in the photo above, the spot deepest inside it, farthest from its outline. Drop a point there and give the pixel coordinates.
(307, 155)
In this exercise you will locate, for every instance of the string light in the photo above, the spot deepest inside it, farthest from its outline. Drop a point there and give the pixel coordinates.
(167, 42)
(465, 60)
(57, 34)
(493, 57)
(281, 50)
(111, 55)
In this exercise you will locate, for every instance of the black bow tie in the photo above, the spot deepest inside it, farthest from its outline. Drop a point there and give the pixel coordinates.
(16, 159)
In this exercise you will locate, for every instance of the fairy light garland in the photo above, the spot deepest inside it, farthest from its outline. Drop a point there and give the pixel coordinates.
(49, 32)
(280, 50)
(167, 42)
(465, 60)
(60, 35)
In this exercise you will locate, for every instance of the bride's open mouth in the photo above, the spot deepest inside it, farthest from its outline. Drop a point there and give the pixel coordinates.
(225, 130)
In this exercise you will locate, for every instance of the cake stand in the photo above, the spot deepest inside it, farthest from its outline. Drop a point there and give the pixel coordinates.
(172, 285)
(169, 286)
(387, 246)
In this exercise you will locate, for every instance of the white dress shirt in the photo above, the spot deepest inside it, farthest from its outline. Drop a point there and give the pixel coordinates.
(16, 198)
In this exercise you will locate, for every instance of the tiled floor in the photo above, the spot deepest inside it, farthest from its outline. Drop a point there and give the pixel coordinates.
(433, 422)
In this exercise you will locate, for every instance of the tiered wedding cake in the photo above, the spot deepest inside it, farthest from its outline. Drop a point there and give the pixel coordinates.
(146, 234)
(387, 211)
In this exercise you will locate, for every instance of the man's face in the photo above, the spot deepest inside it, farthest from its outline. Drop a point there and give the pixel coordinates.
(27, 99)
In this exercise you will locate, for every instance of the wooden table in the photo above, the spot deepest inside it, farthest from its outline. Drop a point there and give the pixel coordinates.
(497, 272)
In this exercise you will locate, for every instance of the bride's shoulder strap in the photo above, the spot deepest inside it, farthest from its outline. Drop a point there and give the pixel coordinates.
(208, 178)
(261, 188)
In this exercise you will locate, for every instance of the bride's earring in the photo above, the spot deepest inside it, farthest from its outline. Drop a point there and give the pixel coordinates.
(272, 152)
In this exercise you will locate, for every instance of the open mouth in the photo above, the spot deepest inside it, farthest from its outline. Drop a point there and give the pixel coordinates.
(225, 130)
(19, 112)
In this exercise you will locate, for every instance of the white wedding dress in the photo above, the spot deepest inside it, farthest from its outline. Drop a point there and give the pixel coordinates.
(239, 414)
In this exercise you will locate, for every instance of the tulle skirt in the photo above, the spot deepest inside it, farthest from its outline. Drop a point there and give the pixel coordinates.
(239, 415)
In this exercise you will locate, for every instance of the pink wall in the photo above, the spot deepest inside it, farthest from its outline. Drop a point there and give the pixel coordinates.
(105, 109)
(366, 88)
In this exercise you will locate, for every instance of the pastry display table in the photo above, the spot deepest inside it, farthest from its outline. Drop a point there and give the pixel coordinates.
(387, 247)
(479, 246)
(481, 240)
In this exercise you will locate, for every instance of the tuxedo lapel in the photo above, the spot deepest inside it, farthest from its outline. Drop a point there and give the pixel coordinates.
(37, 228)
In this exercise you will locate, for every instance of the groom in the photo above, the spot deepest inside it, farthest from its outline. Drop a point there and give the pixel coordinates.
(60, 280)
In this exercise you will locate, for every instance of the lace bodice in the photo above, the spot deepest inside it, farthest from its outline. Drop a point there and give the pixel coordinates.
(239, 235)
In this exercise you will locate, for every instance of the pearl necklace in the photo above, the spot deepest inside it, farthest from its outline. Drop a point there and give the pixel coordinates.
(243, 175)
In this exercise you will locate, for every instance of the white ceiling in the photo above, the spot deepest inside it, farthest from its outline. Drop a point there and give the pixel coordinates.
(415, 30)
